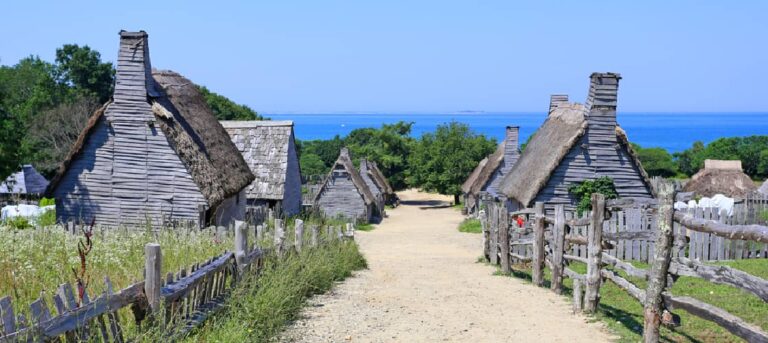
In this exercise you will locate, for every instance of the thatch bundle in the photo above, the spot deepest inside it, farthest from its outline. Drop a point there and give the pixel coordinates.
(721, 177)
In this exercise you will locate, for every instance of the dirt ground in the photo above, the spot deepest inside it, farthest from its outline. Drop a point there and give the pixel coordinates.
(424, 284)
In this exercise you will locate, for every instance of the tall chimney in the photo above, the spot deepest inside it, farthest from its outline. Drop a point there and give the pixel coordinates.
(133, 79)
(512, 138)
(601, 106)
(556, 100)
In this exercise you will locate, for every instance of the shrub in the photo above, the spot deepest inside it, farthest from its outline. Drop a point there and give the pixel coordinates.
(471, 226)
(583, 191)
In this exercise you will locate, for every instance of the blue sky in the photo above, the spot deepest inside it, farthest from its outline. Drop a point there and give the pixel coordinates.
(426, 56)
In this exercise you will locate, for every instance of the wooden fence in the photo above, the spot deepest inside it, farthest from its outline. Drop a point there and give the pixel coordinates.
(557, 240)
(178, 301)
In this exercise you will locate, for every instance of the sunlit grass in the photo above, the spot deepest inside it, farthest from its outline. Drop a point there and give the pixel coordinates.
(471, 226)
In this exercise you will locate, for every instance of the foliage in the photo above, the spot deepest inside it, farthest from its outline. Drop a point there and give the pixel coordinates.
(226, 109)
(441, 161)
(583, 191)
(364, 227)
(81, 68)
(48, 218)
(656, 161)
(751, 150)
(312, 164)
(264, 305)
(46, 202)
(18, 223)
(471, 225)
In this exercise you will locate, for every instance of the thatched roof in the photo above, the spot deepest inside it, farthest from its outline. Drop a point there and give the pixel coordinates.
(721, 177)
(265, 147)
(496, 159)
(379, 178)
(552, 141)
(466, 187)
(345, 162)
(25, 181)
(188, 123)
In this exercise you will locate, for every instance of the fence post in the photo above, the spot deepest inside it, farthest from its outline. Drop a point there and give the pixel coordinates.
(594, 253)
(259, 233)
(482, 212)
(314, 230)
(153, 278)
(340, 233)
(538, 245)
(241, 243)
(577, 296)
(493, 249)
(299, 234)
(657, 277)
(558, 245)
(350, 231)
(504, 235)
(279, 237)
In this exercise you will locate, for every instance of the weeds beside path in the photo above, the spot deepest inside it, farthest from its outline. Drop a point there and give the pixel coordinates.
(423, 285)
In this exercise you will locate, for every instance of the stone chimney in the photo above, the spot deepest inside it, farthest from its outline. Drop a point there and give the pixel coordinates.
(133, 79)
(556, 100)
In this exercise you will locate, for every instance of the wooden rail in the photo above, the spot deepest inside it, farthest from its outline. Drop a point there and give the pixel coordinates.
(178, 301)
(553, 241)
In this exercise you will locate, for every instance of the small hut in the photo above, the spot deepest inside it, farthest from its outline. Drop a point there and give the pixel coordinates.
(471, 200)
(721, 177)
(25, 185)
(269, 148)
(576, 143)
(344, 193)
(492, 172)
(154, 154)
(376, 183)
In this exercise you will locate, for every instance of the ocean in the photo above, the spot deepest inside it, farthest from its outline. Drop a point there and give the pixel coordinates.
(672, 131)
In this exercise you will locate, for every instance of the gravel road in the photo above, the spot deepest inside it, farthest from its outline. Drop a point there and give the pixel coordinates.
(424, 284)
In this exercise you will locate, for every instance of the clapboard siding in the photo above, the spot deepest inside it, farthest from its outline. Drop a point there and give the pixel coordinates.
(341, 198)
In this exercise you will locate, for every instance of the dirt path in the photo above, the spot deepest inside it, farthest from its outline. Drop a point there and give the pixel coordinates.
(424, 285)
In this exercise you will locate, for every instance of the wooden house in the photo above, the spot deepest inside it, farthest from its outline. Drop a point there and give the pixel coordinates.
(269, 148)
(576, 143)
(25, 185)
(489, 173)
(153, 154)
(721, 177)
(471, 201)
(345, 194)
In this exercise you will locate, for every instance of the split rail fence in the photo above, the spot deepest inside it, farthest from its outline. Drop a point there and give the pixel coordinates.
(673, 242)
(178, 301)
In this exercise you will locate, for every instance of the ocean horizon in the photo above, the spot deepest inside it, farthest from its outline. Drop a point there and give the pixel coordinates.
(672, 131)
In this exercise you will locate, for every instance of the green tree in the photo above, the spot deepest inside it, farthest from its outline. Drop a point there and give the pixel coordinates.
(440, 161)
(747, 149)
(226, 109)
(312, 164)
(328, 150)
(656, 161)
(691, 160)
(389, 146)
(82, 69)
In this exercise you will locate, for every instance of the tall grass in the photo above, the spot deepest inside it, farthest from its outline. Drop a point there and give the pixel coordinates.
(261, 306)
(40, 259)
(471, 226)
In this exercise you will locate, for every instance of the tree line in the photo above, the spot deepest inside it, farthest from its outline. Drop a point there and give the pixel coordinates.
(45, 105)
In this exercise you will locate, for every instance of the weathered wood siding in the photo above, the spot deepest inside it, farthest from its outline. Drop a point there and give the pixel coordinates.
(292, 197)
(127, 172)
(598, 153)
(230, 210)
(340, 197)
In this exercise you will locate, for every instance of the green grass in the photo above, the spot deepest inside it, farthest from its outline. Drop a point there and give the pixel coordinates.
(364, 227)
(261, 307)
(624, 315)
(471, 226)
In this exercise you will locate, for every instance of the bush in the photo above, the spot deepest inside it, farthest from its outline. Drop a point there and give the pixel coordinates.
(583, 191)
(18, 223)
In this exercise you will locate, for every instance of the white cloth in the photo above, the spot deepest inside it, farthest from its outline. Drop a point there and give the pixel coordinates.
(28, 211)
(719, 202)
(681, 205)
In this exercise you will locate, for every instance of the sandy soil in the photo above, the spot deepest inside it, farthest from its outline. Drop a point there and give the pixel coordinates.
(424, 285)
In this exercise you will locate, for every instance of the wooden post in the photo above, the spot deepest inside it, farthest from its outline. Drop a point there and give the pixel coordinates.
(299, 234)
(657, 277)
(594, 253)
(493, 249)
(538, 245)
(153, 278)
(504, 235)
(259, 233)
(558, 246)
(577, 296)
(279, 237)
(241, 243)
(315, 231)
(340, 232)
(484, 226)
